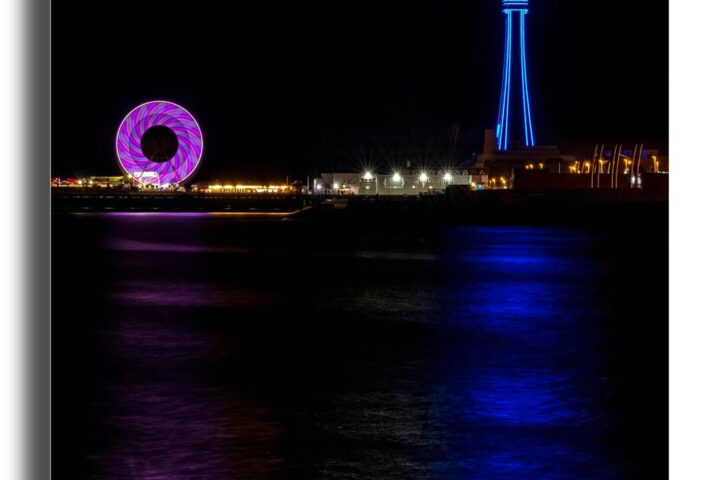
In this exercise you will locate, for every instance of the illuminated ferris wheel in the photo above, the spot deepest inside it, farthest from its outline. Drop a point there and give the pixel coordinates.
(159, 143)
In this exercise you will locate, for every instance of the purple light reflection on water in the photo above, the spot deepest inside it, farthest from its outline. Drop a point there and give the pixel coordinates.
(186, 215)
(186, 294)
(125, 245)
(167, 418)
(176, 429)
(152, 214)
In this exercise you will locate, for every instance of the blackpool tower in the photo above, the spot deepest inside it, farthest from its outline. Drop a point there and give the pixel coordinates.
(515, 124)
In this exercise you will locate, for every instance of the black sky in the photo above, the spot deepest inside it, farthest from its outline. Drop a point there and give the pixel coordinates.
(289, 88)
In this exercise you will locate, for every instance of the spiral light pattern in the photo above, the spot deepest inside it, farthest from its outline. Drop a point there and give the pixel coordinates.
(181, 165)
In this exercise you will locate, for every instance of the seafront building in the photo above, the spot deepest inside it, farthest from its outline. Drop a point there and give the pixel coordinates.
(401, 182)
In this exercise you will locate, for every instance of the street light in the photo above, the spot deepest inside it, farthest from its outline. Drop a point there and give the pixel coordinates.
(423, 177)
(396, 177)
(448, 177)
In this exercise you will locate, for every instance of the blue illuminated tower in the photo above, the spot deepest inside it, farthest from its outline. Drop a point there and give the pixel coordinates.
(515, 119)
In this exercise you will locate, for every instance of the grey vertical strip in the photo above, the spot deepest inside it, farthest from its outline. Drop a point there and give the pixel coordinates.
(36, 232)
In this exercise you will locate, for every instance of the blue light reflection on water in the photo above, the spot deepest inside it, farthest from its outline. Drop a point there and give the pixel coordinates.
(523, 397)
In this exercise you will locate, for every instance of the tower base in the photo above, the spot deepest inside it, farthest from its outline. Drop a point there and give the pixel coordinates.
(502, 164)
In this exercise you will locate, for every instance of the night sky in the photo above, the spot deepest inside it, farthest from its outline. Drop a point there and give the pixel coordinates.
(292, 88)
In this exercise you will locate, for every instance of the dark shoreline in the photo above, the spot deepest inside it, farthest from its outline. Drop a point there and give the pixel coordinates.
(508, 207)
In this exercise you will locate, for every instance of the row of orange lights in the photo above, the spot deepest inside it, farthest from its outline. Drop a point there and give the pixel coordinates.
(578, 168)
(494, 182)
(241, 188)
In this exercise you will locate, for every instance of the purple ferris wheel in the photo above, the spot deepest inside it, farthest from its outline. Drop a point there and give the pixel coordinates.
(159, 143)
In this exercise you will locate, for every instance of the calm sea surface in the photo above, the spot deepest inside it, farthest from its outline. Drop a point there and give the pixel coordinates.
(194, 346)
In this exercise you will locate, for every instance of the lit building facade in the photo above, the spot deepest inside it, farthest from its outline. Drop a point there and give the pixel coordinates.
(402, 182)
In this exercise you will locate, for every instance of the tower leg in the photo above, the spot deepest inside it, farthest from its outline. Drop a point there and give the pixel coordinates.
(529, 134)
(504, 115)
